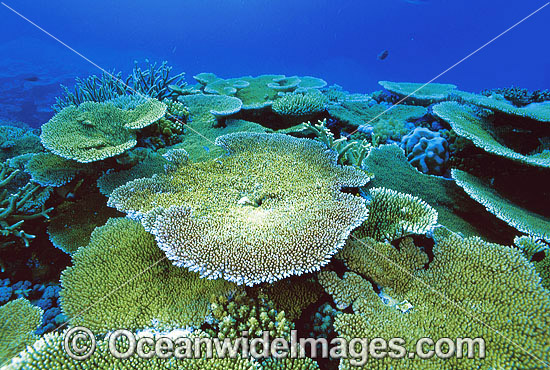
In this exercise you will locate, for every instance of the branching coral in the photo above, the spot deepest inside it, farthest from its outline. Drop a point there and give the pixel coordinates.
(275, 202)
(95, 131)
(19, 320)
(471, 289)
(122, 258)
(152, 81)
(17, 207)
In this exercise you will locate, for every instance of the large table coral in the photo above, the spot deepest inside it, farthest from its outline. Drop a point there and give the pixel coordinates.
(271, 209)
(471, 289)
(95, 131)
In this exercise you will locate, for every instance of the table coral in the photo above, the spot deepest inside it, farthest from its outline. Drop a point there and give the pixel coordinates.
(418, 93)
(156, 293)
(471, 289)
(516, 216)
(19, 320)
(275, 202)
(299, 105)
(95, 131)
(467, 122)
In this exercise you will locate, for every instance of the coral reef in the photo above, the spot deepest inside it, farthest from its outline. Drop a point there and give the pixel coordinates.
(95, 131)
(153, 82)
(88, 287)
(299, 105)
(393, 215)
(428, 151)
(477, 289)
(518, 96)
(18, 323)
(250, 198)
(418, 93)
(47, 169)
(513, 214)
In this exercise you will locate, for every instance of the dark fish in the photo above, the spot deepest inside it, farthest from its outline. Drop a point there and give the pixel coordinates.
(383, 55)
(31, 78)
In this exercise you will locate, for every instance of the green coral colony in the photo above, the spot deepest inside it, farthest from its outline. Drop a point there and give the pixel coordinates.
(275, 203)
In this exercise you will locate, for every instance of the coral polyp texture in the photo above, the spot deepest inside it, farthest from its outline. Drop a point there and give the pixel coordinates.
(299, 105)
(471, 289)
(19, 320)
(426, 150)
(271, 208)
(154, 292)
(393, 215)
(95, 131)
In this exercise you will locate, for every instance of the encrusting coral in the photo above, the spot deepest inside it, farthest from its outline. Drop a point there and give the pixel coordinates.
(92, 296)
(95, 131)
(275, 202)
(471, 289)
(19, 320)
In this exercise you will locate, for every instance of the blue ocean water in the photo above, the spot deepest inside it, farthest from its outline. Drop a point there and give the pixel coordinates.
(338, 41)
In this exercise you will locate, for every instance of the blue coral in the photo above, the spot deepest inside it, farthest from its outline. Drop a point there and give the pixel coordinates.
(428, 151)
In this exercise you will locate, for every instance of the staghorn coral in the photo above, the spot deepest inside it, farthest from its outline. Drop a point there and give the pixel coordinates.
(467, 122)
(418, 93)
(393, 215)
(470, 289)
(275, 202)
(299, 105)
(520, 218)
(428, 151)
(19, 320)
(181, 300)
(48, 169)
(95, 131)
(152, 82)
(26, 203)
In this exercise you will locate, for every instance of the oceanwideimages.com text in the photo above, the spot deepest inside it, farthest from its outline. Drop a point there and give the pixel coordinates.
(80, 344)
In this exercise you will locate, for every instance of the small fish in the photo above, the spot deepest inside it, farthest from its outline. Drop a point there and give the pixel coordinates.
(174, 49)
(206, 148)
(31, 78)
(383, 55)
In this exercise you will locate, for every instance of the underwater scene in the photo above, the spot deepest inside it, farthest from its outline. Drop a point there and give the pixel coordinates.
(287, 185)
